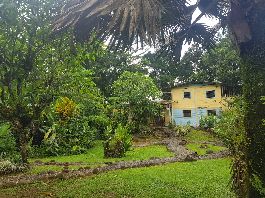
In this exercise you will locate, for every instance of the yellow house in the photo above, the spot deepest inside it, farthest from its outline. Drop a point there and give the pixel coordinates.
(190, 102)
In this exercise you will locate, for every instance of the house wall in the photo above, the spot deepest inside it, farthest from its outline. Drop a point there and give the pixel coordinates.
(194, 120)
(198, 103)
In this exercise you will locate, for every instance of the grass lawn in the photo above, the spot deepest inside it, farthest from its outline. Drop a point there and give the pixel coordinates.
(200, 179)
(199, 136)
(201, 141)
(95, 157)
(202, 149)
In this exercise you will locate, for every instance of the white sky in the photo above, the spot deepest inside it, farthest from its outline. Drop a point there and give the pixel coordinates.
(206, 20)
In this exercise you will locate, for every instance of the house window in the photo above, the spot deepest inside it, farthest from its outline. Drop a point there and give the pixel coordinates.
(187, 113)
(210, 94)
(211, 112)
(187, 95)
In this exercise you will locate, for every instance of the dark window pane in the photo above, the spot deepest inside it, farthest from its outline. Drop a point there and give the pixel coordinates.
(187, 95)
(187, 113)
(210, 94)
(211, 112)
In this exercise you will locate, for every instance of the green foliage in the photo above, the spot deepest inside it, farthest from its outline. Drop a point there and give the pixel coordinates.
(36, 69)
(107, 65)
(118, 143)
(65, 108)
(231, 130)
(8, 148)
(28, 81)
(7, 167)
(133, 99)
(162, 70)
(99, 123)
(221, 64)
(67, 130)
(182, 130)
(230, 127)
(208, 122)
(258, 184)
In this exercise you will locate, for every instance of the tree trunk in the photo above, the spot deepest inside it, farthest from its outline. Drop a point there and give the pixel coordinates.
(249, 30)
(21, 140)
(23, 149)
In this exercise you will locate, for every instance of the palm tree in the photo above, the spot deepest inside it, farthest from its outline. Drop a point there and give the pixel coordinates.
(167, 24)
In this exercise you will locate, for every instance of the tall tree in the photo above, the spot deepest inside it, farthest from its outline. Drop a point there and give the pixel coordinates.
(134, 95)
(169, 24)
(23, 37)
(162, 70)
(107, 65)
(35, 69)
(220, 63)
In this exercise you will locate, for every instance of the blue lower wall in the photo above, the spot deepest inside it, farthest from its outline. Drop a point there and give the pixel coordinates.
(194, 120)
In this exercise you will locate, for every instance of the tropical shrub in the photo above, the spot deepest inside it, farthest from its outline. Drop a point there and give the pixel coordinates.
(118, 142)
(66, 130)
(231, 130)
(208, 122)
(65, 108)
(99, 123)
(182, 130)
(7, 167)
(8, 148)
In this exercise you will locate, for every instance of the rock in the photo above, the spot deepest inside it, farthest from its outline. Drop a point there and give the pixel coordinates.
(183, 142)
(191, 157)
(66, 170)
(204, 146)
(38, 162)
(209, 152)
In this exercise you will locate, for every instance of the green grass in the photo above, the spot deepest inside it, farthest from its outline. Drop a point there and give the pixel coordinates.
(196, 147)
(196, 139)
(200, 179)
(199, 136)
(39, 169)
(95, 157)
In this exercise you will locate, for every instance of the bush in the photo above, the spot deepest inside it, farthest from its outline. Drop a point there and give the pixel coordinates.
(73, 136)
(100, 123)
(208, 122)
(8, 149)
(67, 131)
(65, 108)
(7, 167)
(182, 130)
(231, 130)
(118, 143)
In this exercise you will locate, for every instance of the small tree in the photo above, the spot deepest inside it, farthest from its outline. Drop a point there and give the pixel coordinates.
(133, 96)
(232, 131)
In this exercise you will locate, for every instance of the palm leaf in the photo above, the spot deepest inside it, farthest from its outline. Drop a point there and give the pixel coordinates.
(198, 33)
(124, 21)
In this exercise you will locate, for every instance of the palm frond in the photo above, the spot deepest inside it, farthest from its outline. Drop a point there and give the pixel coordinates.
(198, 33)
(201, 33)
(124, 21)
